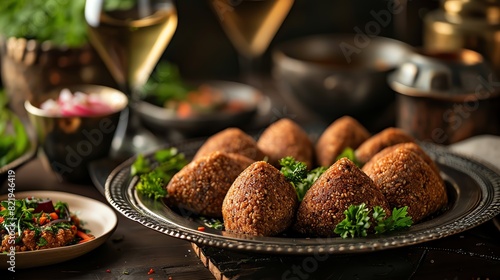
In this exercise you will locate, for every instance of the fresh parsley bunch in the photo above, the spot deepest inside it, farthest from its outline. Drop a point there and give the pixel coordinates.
(154, 175)
(357, 221)
(296, 173)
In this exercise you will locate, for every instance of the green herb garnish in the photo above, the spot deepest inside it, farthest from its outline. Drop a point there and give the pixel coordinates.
(14, 140)
(164, 84)
(351, 155)
(141, 165)
(21, 213)
(60, 21)
(42, 242)
(155, 174)
(296, 173)
(62, 207)
(357, 221)
(213, 223)
(151, 185)
(398, 220)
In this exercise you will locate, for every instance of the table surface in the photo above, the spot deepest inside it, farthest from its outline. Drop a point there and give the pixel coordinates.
(132, 250)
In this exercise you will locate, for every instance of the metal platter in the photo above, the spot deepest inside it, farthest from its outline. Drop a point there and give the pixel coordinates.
(473, 190)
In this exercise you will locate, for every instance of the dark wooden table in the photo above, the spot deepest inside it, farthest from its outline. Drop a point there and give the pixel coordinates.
(133, 250)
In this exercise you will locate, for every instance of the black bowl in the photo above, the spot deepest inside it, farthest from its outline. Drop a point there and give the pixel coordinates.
(163, 120)
(336, 74)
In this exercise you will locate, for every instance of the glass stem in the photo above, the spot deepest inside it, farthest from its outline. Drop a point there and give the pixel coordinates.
(250, 70)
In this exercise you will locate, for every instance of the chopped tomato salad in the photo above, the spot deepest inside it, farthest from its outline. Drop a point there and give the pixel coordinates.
(32, 224)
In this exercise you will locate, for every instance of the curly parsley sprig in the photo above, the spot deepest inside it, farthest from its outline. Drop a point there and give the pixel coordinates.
(153, 175)
(296, 173)
(357, 221)
(398, 220)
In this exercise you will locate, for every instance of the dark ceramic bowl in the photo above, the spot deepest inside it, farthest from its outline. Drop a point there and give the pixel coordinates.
(337, 74)
(163, 120)
(68, 144)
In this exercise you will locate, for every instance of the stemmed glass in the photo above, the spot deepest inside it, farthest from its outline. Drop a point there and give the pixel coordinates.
(250, 26)
(130, 36)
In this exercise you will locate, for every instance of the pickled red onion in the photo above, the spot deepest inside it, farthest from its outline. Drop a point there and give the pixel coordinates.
(78, 104)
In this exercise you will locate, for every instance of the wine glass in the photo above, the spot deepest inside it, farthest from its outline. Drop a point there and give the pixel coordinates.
(130, 36)
(250, 26)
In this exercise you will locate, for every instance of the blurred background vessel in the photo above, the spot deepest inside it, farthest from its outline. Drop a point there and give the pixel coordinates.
(445, 97)
(469, 24)
(204, 48)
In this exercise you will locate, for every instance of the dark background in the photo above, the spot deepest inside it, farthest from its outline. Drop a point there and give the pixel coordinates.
(201, 49)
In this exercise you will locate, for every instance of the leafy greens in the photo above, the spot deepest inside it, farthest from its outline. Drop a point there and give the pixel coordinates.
(14, 140)
(297, 174)
(154, 175)
(164, 84)
(357, 221)
(60, 21)
(350, 154)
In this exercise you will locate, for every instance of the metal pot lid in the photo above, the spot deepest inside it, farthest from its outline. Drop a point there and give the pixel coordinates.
(444, 74)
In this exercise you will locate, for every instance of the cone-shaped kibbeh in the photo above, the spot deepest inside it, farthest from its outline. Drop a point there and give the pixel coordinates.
(407, 180)
(386, 138)
(260, 202)
(286, 138)
(409, 145)
(231, 140)
(201, 185)
(343, 184)
(342, 133)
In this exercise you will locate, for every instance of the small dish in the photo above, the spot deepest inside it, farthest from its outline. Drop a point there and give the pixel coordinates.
(161, 119)
(69, 143)
(101, 226)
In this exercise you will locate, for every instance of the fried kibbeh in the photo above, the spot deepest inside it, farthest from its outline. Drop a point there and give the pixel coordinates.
(201, 185)
(386, 138)
(343, 184)
(231, 140)
(260, 202)
(409, 145)
(286, 138)
(342, 133)
(406, 179)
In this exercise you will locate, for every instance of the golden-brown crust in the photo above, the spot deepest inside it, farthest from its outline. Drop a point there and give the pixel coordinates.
(407, 180)
(286, 138)
(409, 145)
(260, 202)
(201, 185)
(341, 186)
(342, 133)
(231, 140)
(386, 138)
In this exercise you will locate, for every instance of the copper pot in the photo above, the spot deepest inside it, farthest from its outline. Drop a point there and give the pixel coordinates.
(445, 97)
